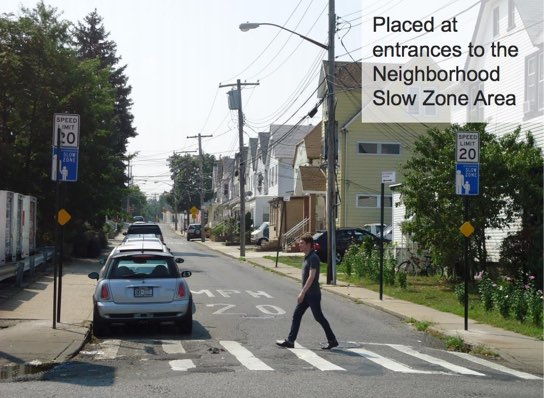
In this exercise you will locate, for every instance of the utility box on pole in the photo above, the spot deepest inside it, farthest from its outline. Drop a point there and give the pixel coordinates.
(6, 214)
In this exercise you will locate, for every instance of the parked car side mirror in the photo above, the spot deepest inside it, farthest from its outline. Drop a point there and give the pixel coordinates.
(186, 274)
(179, 260)
(93, 275)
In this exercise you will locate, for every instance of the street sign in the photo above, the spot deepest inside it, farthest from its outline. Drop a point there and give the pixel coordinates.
(388, 177)
(194, 210)
(466, 229)
(68, 160)
(68, 127)
(467, 179)
(468, 147)
(63, 217)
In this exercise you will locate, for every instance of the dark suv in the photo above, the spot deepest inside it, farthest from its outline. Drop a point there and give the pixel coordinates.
(139, 228)
(344, 238)
(194, 231)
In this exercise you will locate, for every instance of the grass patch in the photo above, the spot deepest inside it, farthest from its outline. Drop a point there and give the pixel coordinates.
(456, 344)
(484, 351)
(437, 293)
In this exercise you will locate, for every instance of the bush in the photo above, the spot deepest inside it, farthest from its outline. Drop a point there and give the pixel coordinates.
(460, 292)
(502, 297)
(485, 288)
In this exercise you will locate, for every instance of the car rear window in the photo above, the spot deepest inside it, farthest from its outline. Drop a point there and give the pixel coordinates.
(144, 229)
(142, 266)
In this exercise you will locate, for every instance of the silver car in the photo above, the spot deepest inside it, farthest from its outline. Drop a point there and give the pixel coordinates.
(141, 282)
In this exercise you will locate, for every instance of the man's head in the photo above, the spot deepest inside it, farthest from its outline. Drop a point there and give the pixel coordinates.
(306, 241)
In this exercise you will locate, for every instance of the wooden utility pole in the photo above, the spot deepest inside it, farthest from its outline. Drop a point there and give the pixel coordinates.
(201, 167)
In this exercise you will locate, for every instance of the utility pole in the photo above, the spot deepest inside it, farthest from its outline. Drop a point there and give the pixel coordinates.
(242, 170)
(331, 153)
(199, 136)
(176, 195)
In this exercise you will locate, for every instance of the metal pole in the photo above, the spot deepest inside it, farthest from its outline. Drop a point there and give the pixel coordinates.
(331, 153)
(57, 230)
(242, 173)
(381, 242)
(466, 266)
(281, 229)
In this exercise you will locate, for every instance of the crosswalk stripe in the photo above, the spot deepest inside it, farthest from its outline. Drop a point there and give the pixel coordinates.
(109, 349)
(496, 366)
(313, 359)
(172, 347)
(433, 360)
(388, 363)
(182, 365)
(245, 356)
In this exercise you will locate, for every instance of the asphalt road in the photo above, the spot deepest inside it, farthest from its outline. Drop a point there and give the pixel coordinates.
(241, 311)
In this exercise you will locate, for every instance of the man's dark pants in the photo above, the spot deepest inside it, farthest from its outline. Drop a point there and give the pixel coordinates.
(314, 302)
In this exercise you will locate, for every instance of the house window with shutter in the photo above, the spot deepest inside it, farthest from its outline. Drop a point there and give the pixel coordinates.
(534, 84)
(373, 201)
(378, 148)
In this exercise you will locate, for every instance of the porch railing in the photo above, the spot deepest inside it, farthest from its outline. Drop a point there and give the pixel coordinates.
(294, 233)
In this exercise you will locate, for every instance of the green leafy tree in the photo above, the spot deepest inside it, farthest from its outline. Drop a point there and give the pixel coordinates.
(507, 192)
(186, 174)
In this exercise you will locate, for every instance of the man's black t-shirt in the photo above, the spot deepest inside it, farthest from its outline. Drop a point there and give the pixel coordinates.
(311, 261)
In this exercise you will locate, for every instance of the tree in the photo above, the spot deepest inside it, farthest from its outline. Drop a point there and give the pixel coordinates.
(186, 174)
(507, 192)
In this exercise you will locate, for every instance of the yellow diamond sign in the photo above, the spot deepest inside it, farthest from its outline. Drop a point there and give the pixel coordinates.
(63, 217)
(466, 229)
(194, 210)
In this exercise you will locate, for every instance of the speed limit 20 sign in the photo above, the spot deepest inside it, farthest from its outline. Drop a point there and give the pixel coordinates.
(468, 147)
(66, 130)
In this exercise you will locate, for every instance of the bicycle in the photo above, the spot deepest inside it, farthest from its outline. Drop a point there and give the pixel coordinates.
(416, 265)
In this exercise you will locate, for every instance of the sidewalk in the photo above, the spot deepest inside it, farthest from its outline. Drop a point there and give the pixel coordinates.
(27, 336)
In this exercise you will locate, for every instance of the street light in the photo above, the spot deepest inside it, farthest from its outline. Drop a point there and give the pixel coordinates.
(331, 136)
(244, 27)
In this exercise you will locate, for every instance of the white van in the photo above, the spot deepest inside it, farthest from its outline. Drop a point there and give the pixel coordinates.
(260, 235)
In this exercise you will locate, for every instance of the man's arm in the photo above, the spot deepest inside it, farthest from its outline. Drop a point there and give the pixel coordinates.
(307, 285)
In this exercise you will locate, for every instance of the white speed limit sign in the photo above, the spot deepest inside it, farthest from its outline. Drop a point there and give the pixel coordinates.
(66, 130)
(468, 147)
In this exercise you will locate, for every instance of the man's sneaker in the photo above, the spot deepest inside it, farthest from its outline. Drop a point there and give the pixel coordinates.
(287, 344)
(330, 344)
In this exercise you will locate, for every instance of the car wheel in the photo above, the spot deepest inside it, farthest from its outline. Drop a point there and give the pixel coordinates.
(338, 257)
(260, 242)
(100, 326)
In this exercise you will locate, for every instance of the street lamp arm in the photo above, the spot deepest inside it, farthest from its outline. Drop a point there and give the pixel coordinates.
(253, 25)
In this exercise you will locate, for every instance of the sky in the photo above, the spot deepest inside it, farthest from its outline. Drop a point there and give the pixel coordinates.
(178, 53)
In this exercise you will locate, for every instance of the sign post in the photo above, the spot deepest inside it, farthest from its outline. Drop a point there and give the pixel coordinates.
(467, 183)
(63, 169)
(390, 178)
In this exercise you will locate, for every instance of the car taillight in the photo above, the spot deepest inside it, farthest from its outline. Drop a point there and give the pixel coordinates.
(181, 290)
(105, 292)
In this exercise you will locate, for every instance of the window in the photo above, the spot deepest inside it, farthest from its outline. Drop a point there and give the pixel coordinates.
(367, 147)
(495, 21)
(511, 15)
(373, 201)
(378, 148)
(534, 84)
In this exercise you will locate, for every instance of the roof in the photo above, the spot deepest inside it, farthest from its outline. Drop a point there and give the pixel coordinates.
(312, 142)
(263, 145)
(283, 139)
(313, 179)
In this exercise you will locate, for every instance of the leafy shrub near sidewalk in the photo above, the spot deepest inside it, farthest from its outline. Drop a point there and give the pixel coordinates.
(363, 261)
(517, 297)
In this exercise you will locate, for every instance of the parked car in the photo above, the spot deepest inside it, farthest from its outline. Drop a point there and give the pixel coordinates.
(194, 231)
(138, 218)
(141, 282)
(376, 230)
(139, 228)
(344, 238)
(260, 235)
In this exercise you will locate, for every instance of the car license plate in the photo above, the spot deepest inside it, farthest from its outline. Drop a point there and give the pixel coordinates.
(143, 291)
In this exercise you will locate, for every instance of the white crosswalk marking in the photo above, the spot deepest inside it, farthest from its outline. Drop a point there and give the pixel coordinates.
(313, 359)
(388, 363)
(433, 360)
(172, 347)
(496, 366)
(182, 365)
(243, 355)
(109, 349)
